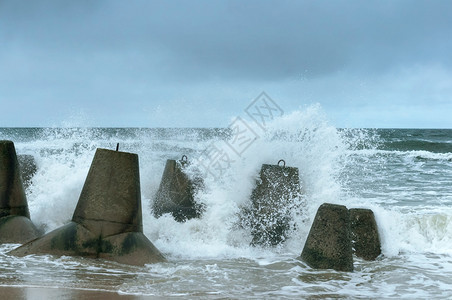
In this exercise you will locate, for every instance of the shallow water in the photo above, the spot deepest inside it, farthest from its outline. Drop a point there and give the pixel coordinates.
(283, 276)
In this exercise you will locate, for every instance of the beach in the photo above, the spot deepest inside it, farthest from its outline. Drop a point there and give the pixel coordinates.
(31, 293)
(402, 175)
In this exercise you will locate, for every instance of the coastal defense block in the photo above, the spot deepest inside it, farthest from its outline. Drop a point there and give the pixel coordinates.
(107, 222)
(176, 193)
(272, 201)
(329, 245)
(15, 224)
(12, 194)
(365, 238)
(110, 201)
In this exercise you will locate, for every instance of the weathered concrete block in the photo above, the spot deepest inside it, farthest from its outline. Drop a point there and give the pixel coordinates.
(12, 194)
(17, 230)
(273, 199)
(130, 248)
(176, 193)
(107, 222)
(365, 238)
(15, 224)
(328, 245)
(28, 168)
(110, 201)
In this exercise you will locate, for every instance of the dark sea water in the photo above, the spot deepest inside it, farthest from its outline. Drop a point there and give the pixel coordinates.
(403, 175)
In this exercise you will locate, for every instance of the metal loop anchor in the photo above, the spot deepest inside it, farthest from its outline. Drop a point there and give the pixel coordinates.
(182, 159)
(282, 160)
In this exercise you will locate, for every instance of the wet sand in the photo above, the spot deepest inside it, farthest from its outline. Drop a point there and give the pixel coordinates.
(35, 293)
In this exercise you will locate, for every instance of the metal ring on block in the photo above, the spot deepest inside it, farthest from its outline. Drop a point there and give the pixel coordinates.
(282, 160)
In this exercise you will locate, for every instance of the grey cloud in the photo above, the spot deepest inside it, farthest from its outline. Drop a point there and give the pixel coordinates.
(97, 55)
(255, 40)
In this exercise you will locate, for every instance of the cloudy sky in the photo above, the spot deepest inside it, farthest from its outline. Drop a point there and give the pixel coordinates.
(200, 63)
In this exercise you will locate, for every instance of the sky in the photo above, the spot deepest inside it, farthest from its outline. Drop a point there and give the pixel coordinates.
(143, 63)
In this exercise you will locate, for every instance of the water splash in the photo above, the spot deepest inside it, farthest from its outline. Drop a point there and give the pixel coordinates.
(344, 166)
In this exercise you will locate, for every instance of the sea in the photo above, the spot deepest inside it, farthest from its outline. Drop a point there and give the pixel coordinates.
(403, 175)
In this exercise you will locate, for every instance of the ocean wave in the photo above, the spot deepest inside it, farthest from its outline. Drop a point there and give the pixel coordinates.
(327, 158)
(419, 145)
(427, 230)
(415, 154)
